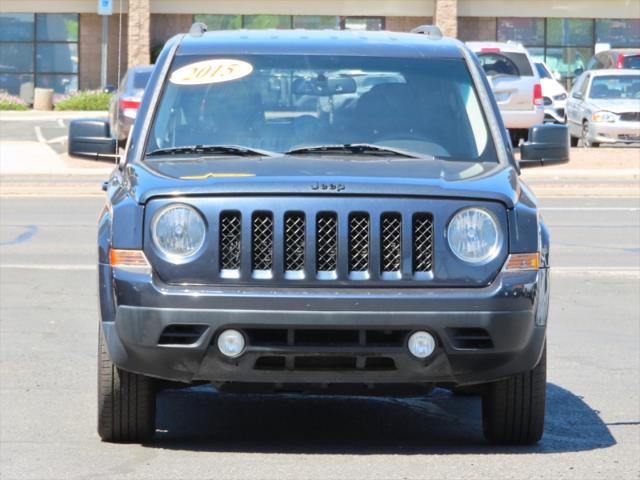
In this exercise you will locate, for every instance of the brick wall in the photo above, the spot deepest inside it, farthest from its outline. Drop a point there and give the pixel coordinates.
(405, 24)
(477, 28)
(163, 27)
(90, 50)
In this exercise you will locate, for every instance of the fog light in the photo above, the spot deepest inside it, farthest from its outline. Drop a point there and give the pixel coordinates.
(421, 344)
(231, 343)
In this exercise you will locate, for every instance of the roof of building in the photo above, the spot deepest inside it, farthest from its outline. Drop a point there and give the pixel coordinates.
(319, 42)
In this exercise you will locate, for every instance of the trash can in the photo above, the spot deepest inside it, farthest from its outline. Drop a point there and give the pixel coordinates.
(43, 99)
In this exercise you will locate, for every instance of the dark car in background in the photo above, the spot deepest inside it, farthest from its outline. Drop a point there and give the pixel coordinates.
(382, 245)
(619, 58)
(124, 105)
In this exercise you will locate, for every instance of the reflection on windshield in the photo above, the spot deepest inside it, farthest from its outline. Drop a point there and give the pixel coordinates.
(615, 87)
(286, 102)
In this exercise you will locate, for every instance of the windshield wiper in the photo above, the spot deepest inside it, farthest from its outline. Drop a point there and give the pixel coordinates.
(221, 149)
(353, 148)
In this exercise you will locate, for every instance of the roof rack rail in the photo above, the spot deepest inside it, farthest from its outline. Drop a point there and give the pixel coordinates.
(431, 31)
(198, 29)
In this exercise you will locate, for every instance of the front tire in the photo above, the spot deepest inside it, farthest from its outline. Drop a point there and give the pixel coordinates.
(126, 402)
(513, 409)
(585, 137)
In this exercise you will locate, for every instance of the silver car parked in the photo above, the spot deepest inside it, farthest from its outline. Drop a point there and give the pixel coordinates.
(604, 107)
(124, 105)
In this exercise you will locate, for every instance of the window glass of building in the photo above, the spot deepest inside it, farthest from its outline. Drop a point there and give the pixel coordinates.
(316, 22)
(281, 22)
(220, 22)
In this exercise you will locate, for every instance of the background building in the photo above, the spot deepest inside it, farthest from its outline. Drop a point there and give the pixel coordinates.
(53, 43)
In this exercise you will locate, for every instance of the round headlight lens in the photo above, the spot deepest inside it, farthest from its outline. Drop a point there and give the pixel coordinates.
(178, 231)
(473, 235)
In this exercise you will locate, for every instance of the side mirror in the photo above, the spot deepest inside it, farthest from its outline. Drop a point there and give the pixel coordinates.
(548, 145)
(91, 139)
(577, 95)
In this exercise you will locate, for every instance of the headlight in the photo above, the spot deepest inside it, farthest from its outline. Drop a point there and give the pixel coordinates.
(562, 96)
(178, 230)
(473, 235)
(604, 117)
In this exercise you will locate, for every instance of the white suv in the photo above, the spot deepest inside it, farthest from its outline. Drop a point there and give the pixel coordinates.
(515, 84)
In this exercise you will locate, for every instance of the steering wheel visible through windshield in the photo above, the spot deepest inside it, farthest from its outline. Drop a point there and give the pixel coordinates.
(279, 103)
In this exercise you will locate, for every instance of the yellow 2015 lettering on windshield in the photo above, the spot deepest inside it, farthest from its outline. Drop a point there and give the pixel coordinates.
(211, 71)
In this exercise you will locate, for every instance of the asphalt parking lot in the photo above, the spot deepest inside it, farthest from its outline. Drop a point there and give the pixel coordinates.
(48, 359)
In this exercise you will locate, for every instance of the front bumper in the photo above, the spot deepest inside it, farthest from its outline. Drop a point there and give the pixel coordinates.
(512, 312)
(556, 112)
(614, 132)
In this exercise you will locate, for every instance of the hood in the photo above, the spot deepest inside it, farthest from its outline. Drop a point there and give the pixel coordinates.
(616, 105)
(322, 175)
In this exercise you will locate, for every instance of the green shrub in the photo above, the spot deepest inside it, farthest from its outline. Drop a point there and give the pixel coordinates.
(87, 100)
(10, 102)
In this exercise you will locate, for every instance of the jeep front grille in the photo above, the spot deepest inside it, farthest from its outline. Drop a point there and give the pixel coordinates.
(230, 240)
(324, 245)
(262, 242)
(358, 242)
(390, 242)
(326, 242)
(422, 242)
(294, 242)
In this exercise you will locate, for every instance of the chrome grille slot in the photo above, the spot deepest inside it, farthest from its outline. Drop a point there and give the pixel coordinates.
(230, 241)
(422, 242)
(390, 242)
(294, 243)
(326, 243)
(358, 242)
(262, 243)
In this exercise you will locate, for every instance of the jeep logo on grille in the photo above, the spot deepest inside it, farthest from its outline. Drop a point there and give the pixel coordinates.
(329, 187)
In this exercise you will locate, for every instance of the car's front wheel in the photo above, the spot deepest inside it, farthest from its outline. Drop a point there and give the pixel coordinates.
(513, 408)
(126, 402)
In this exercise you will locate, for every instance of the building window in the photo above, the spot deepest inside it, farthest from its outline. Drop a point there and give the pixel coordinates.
(220, 22)
(38, 50)
(618, 32)
(528, 31)
(363, 23)
(281, 22)
(567, 44)
(316, 22)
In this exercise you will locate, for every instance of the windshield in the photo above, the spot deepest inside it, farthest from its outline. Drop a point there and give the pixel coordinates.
(615, 86)
(279, 103)
(631, 61)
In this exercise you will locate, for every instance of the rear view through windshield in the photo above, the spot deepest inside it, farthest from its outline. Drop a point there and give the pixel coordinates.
(284, 102)
(615, 87)
(505, 63)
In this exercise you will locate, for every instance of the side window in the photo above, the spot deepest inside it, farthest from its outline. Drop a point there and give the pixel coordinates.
(583, 87)
(577, 86)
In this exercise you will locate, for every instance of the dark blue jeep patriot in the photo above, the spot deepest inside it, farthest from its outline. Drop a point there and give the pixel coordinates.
(333, 212)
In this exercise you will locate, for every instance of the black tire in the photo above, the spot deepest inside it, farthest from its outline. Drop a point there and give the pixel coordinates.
(126, 402)
(513, 408)
(574, 140)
